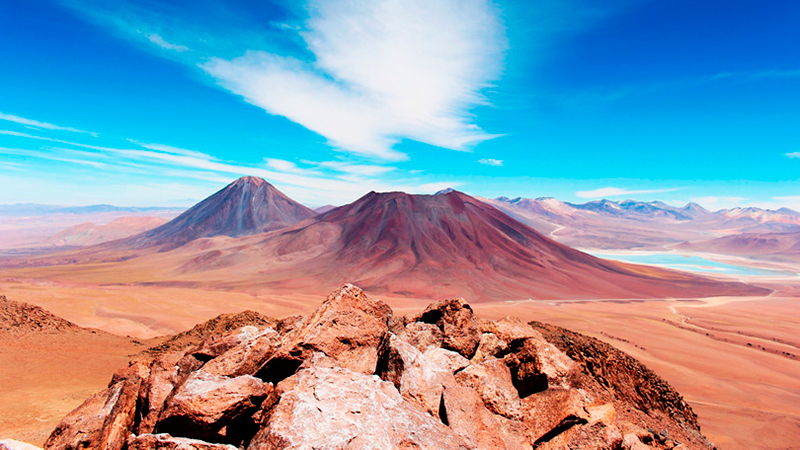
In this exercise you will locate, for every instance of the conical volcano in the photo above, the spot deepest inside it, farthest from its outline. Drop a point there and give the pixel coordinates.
(395, 244)
(247, 206)
(431, 246)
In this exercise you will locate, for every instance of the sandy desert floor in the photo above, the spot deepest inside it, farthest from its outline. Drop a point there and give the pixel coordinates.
(746, 396)
(726, 357)
(46, 375)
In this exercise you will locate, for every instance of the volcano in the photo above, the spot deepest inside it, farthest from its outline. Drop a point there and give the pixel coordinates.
(397, 244)
(433, 246)
(249, 205)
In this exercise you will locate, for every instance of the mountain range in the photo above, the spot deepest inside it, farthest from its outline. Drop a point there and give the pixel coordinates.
(781, 247)
(628, 224)
(249, 236)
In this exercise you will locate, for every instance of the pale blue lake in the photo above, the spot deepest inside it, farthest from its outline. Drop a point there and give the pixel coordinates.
(690, 263)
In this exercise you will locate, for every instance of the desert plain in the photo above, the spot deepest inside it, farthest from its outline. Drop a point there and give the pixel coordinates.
(735, 359)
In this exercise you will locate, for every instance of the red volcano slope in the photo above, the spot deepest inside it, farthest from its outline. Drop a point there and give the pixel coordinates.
(247, 206)
(438, 245)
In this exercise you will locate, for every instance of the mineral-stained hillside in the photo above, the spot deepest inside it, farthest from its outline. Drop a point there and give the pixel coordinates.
(19, 317)
(353, 376)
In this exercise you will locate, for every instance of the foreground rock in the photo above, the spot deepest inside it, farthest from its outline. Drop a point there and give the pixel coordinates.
(353, 376)
(333, 407)
(166, 442)
(12, 444)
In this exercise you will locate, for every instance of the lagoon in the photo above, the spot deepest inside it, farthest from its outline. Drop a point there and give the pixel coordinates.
(689, 263)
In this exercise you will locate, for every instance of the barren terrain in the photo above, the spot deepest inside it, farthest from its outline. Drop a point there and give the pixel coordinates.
(746, 396)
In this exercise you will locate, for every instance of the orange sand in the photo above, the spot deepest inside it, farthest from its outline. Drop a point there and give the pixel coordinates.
(746, 396)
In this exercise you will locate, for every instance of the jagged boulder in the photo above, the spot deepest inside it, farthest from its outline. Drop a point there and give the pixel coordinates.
(103, 421)
(491, 379)
(490, 345)
(463, 410)
(448, 359)
(416, 376)
(460, 328)
(554, 409)
(162, 380)
(422, 335)
(166, 442)
(206, 403)
(213, 346)
(337, 408)
(247, 357)
(348, 327)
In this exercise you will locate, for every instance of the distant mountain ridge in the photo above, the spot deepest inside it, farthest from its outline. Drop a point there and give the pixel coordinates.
(631, 224)
(426, 246)
(766, 246)
(656, 208)
(251, 236)
(35, 209)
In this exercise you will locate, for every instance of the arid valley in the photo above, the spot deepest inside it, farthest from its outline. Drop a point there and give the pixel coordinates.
(399, 225)
(734, 355)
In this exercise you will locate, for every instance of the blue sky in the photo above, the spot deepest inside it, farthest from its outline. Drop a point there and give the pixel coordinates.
(143, 102)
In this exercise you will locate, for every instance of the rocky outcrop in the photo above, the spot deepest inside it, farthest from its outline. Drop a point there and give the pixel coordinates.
(23, 317)
(353, 376)
(333, 407)
(103, 421)
(348, 327)
(457, 323)
(222, 325)
(628, 379)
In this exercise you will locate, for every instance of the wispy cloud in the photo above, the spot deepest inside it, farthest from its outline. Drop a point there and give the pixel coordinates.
(382, 71)
(43, 154)
(369, 170)
(41, 125)
(491, 162)
(316, 182)
(793, 155)
(363, 75)
(159, 41)
(170, 149)
(618, 192)
(60, 141)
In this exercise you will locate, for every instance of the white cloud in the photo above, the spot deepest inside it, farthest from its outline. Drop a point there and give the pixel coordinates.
(369, 170)
(618, 192)
(491, 162)
(383, 71)
(349, 181)
(793, 155)
(283, 165)
(170, 149)
(51, 156)
(159, 41)
(61, 141)
(40, 125)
